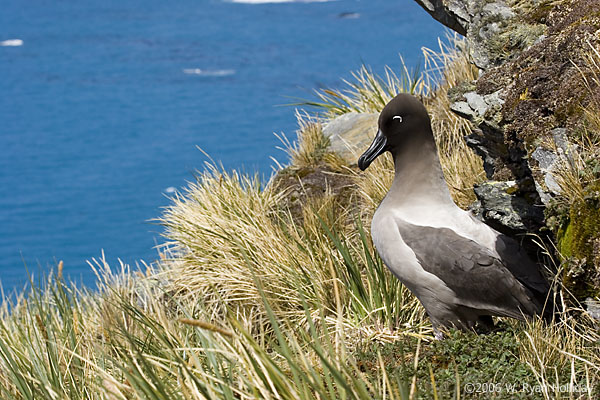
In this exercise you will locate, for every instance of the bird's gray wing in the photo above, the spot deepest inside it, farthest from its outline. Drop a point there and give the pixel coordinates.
(474, 273)
(520, 265)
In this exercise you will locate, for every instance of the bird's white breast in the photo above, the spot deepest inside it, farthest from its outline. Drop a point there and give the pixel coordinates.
(402, 261)
(446, 215)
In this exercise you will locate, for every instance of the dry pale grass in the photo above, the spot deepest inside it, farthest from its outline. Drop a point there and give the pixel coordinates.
(564, 354)
(573, 173)
(125, 342)
(591, 77)
(55, 340)
(228, 241)
(311, 147)
(224, 236)
(369, 92)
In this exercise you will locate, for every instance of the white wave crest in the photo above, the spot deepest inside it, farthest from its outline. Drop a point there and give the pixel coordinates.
(209, 72)
(349, 15)
(11, 43)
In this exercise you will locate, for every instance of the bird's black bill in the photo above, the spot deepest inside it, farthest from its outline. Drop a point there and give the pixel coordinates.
(378, 147)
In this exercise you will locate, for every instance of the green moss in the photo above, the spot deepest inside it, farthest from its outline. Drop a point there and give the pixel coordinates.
(489, 358)
(512, 189)
(576, 241)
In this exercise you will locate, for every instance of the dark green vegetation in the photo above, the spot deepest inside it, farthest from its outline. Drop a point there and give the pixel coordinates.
(577, 230)
(490, 362)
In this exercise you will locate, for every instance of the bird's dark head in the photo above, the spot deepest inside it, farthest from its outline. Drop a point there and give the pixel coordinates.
(402, 121)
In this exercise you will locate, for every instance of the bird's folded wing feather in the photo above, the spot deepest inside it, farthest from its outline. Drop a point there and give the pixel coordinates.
(521, 266)
(480, 280)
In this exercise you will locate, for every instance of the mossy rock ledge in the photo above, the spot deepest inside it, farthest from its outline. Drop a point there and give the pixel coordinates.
(578, 238)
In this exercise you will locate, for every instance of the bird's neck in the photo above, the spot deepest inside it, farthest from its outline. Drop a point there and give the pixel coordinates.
(419, 179)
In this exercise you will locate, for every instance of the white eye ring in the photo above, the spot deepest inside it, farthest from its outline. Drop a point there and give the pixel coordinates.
(398, 117)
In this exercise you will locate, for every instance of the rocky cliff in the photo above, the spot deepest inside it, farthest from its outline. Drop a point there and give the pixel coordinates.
(534, 109)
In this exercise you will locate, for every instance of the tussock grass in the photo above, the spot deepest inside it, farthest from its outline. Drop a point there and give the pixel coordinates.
(135, 338)
(578, 166)
(311, 147)
(226, 232)
(248, 303)
(562, 355)
(369, 92)
(223, 219)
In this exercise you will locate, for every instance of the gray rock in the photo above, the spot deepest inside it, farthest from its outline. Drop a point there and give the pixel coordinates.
(593, 308)
(479, 144)
(564, 147)
(477, 103)
(350, 134)
(545, 197)
(560, 139)
(487, 32)
(503, 209)
(480, 56)
(463, 109)
(478, 20)
(495, 100)
(476, 210)
(547, 160)
(477, 106)
(451, 13)
(497, 10)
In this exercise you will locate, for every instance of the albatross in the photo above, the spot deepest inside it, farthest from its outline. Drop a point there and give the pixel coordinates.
(461, 270)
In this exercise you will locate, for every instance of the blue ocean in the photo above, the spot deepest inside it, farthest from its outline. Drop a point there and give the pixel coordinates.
(104, 103)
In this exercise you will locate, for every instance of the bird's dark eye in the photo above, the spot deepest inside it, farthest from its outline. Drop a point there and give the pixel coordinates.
(398, 117)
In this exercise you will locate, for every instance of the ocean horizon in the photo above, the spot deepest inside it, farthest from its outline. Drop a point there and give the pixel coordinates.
(106, 104)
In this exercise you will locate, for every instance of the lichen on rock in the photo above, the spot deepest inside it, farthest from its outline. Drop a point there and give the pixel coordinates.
(503, 210)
